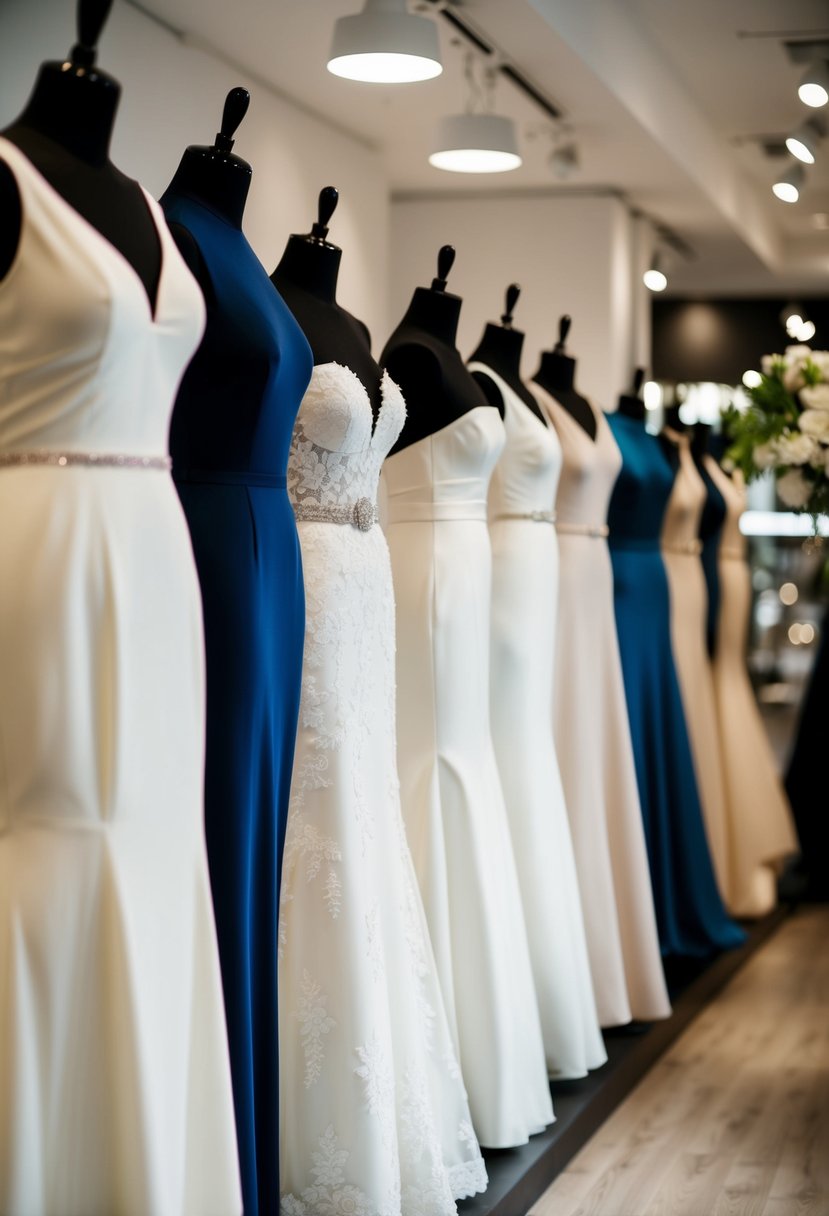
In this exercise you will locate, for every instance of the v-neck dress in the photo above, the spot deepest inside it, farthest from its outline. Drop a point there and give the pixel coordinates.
(593, 736)
(115, 1092)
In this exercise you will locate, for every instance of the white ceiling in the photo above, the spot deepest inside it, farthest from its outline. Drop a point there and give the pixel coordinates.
(661, 94)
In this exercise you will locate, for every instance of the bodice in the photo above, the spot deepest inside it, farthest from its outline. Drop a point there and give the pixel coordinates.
(526, 475)
(239, 397)
(680, 529)
(86, 363)
(335, 455)
(643, 487)
(589, 466)
(446, 474)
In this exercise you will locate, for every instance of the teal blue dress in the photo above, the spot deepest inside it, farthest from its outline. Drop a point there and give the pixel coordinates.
(691, 918)
(229, 439)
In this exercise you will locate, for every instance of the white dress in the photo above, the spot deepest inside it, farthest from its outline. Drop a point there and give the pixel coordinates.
(115, 1093)
(524, 601)
(453, 805)
(760, 828)
(593, 736)
(373, 1114)
(681, 551)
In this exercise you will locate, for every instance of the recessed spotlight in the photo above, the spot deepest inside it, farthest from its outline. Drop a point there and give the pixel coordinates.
(804, 142)
(814, 87)
(787, 186)
(654, 277)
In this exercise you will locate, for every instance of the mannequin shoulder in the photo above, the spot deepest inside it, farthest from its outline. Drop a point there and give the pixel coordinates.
(490, 390)
(188, 247)
(12, 213)
(415, 367)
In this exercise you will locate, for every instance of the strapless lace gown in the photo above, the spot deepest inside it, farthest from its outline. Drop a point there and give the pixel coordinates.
(374, 1117)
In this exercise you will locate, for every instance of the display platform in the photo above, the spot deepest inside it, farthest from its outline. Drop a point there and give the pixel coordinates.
(517, 1177)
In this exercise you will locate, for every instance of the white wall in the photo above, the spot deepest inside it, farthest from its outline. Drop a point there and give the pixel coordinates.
(173, 96)
(570, 255)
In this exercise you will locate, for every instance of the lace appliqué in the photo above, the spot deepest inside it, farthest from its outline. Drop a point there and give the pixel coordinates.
(315, 1022)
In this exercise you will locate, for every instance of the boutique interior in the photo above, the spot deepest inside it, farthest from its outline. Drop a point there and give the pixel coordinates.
(414, 600)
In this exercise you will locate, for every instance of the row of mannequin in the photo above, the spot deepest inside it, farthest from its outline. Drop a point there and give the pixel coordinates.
(457, 918)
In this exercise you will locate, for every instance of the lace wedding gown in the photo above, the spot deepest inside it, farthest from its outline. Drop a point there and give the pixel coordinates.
(374, 1115)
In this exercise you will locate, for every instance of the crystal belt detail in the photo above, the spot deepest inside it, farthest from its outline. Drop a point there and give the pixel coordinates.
(539, 517)
(596, 530)
(65, 460)
(362, 515)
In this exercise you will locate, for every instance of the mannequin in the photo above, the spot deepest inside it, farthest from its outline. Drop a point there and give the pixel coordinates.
(306, 278)
(65, 132)
(631, 404)
(671, 418)
(217, 179)
(700, 437)
(500, 348)
(422, 358)
(556, 374)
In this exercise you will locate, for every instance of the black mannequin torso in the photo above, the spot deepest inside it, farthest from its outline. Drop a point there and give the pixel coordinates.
(65, 132)
(423, 360)
(500, 348)
(556, 375)
(631, 404)
(699, 440)
(306, 278)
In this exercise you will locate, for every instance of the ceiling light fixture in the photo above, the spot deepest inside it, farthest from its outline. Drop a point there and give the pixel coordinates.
(787, 185)
(805, 141)
(385, 44)
(654, 277)
(814, 87)
(475, 143)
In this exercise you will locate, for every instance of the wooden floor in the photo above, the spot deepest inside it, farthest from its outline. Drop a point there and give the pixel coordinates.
(734, 1119)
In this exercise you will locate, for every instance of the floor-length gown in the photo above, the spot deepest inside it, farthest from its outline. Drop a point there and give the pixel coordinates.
(681, 550)
(710, 532)
(761, 833)
(115, 1092)
(453, 804)
(524, 597)
(593, 736)
(374, 1113)
(229, 440)
(689, 910)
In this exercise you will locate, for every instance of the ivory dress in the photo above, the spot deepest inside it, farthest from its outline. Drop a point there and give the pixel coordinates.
(593, 736)
(373, 1117)
(453, 805)
(115, 1091)
(524, 597)
(681, 550)
(760, 826)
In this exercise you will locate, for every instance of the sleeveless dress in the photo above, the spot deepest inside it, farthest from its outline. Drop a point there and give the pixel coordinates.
(453, 805)
(374, 1114)
(681, 550)
(524, 598)
(689, 910)
(115, 1092)
(593, 737)
(229, 440)
(710, 531)
(760, 826)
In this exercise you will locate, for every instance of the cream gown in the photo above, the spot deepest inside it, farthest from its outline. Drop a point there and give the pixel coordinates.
(760, 828)
(373, 1115)
(681, 551)
(452, 800)
(524, 598)
(593, 736)
(115, 1095)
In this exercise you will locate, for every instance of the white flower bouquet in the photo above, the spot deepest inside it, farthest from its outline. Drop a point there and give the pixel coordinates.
(786, 428)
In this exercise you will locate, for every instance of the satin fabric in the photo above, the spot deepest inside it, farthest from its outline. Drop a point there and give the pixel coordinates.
(689, 910)
(453, 803)
(115, 1091)
(229, 440)
(524, 601)
(760, 826)
(593, 737)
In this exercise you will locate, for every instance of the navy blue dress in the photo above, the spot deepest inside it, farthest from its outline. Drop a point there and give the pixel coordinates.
(690, 914)
(710, 530)
(230, 436)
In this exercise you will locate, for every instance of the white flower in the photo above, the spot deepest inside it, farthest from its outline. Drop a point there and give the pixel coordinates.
(816, 424)
(764, 456)
(794, 489)
(795, 449)
(798, 354)
(815, 396)
(768, 362)
(793, 377)
(820, 358)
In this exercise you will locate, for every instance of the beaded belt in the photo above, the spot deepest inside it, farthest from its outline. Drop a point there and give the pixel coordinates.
(539, 517)
(597, 530)
(690, 548)
(65, 460)
(362, 515)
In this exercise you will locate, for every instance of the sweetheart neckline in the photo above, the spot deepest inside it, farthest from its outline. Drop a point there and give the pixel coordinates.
(385, 380)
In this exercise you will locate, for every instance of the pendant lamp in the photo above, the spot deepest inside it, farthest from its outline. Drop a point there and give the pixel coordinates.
(385, 44)
(475, 143)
